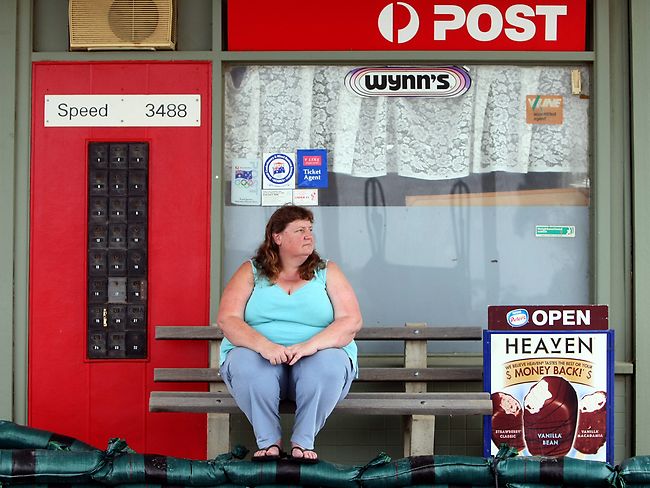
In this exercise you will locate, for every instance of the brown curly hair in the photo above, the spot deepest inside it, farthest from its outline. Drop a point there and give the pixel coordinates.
(267, 256)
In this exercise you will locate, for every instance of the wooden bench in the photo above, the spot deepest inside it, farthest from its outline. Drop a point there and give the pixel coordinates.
(418, 406)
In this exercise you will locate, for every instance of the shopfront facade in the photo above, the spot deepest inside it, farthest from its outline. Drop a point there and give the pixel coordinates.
(525, 185)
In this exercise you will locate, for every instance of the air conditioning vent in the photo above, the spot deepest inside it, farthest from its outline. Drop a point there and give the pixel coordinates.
(122, 24)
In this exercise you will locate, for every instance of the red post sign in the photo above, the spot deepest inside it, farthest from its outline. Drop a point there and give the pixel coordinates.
(426, 25)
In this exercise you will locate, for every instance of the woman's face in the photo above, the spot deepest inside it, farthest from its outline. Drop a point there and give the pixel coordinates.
(296, 239)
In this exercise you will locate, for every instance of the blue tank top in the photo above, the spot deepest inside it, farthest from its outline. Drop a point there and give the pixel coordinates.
(289, 319)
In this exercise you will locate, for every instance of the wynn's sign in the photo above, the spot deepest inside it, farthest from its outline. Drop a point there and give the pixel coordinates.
(447, 81)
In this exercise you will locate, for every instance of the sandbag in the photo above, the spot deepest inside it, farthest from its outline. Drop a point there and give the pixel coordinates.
(285, 472)
(134, 485)
(14, 436)
(47, 466)
(129, 468)
(154, 485)
(430, 470)
(560, 471)
(635, 470)
(64, 485)
(530, 485)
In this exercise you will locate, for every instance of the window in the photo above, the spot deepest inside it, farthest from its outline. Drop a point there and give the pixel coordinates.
(432, 203)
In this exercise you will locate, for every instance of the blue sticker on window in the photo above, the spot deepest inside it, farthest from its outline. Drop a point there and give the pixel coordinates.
(312, 168)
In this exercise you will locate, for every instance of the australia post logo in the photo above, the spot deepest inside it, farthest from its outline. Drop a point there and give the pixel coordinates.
(463, 20)
(388, 27)
(445, 81)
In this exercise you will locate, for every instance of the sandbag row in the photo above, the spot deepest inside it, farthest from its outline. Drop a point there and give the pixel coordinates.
(116, 467)
(40, 458)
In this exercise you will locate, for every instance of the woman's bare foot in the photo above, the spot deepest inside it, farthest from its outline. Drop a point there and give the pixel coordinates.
(302, 455)
(269, 453)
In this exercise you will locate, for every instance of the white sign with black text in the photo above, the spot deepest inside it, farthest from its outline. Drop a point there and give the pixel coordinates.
(123, 110)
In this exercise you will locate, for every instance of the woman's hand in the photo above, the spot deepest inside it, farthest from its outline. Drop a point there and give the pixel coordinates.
(301, 350)
(275, 353)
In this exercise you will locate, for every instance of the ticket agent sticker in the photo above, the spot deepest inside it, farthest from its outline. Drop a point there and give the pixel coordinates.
(279, 170)
(312, 168)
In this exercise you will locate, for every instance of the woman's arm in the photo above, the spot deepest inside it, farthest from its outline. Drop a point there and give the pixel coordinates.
(230, 318)
(347, 317)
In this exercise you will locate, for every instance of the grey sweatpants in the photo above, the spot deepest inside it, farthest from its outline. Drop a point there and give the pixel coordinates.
(316, 383)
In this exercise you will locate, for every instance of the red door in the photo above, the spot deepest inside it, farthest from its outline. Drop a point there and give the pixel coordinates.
(96, 399)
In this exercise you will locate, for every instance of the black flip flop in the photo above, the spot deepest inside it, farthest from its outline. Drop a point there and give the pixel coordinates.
(302, 459)
(269, 457)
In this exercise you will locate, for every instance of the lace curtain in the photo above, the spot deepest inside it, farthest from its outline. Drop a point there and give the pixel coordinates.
(284, 108)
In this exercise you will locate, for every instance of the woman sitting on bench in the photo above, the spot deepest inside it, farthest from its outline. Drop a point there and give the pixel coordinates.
(289, 319)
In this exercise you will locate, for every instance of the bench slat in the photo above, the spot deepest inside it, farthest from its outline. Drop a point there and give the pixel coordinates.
(425, 374)
(191, 332)
(478, 403)
(222, 393)
(365, 374)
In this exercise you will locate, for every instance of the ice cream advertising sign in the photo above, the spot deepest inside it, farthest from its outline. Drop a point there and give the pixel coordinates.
(552, 392)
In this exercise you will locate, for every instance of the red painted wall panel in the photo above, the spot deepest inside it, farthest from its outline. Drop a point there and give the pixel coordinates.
(99, 399)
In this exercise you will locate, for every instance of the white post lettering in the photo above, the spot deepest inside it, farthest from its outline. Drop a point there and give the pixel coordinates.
(440, 27)
(551, 12)
(496, 22)
(516, 17)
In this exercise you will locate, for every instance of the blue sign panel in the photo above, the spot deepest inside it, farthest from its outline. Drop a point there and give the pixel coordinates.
(312, 168)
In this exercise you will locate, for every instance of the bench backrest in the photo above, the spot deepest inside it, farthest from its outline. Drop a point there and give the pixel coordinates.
(413, 332)
(415, 337)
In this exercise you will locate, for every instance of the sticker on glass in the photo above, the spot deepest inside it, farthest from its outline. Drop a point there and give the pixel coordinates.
(279, 170)
(246, 182)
